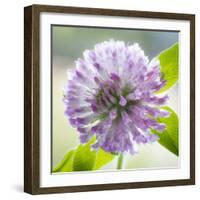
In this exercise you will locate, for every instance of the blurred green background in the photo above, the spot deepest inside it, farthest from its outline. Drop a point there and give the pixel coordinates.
(68, 44)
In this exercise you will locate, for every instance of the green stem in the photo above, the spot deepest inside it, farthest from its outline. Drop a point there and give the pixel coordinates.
(120, 161)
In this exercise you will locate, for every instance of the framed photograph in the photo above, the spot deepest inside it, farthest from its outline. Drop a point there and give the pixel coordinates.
(109, 99)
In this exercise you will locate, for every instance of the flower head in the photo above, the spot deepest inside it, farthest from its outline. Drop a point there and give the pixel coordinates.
(111, 95)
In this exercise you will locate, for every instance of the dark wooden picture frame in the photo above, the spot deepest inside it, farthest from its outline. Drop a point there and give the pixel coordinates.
(32, 96)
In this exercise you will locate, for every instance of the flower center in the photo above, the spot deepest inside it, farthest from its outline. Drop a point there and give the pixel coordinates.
(111, 96)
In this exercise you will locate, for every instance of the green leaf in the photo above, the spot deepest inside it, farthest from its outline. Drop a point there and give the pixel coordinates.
(169, 66)
(84, 158)
(102, 159)
(169, 137)
(65, 165)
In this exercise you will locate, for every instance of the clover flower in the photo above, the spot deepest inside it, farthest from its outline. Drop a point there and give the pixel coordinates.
(111, 94)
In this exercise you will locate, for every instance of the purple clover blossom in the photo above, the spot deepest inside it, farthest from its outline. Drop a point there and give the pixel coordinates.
(111, 95)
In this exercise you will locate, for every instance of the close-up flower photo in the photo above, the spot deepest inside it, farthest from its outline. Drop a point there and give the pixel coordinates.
(114, 99)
